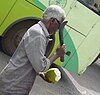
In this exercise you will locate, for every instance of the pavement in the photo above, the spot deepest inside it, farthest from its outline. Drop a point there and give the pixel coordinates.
(66, 86)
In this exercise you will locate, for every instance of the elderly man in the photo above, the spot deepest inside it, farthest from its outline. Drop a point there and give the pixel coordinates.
(29, 59)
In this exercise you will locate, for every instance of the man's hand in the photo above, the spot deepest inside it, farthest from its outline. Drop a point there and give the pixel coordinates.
(61, 51)
(42, 75)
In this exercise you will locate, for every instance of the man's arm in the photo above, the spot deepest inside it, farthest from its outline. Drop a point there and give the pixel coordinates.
(59, 53)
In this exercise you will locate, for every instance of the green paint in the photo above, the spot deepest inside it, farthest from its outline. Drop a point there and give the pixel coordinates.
(70, 63)
(39, 5)
(5, 11)
(61, 3)
(79, 17)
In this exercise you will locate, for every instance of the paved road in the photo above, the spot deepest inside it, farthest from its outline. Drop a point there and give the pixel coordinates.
(90, 79)
(70, 84)
(64, 87)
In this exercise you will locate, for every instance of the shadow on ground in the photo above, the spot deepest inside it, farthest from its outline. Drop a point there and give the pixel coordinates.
(90, 79)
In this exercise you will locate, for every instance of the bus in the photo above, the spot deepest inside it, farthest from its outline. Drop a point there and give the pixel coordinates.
(81, 34)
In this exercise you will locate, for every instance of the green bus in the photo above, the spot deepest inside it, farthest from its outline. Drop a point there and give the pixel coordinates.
(81, 34)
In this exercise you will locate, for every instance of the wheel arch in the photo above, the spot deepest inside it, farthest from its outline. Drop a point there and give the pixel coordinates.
(16, 26)
(20, 20)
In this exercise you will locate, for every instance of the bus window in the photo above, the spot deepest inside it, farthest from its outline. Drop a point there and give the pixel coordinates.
(94, 5)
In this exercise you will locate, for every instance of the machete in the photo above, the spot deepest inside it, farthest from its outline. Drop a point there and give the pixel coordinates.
(61, 39)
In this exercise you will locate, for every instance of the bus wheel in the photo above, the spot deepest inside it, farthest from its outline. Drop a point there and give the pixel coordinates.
(14, 34)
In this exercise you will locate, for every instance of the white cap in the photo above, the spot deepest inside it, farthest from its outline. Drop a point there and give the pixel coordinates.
(54, 11)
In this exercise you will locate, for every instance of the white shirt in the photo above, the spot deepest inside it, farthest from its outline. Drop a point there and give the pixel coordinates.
(18, 76)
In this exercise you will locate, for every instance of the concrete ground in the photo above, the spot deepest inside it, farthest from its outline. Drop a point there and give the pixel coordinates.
(64, 87)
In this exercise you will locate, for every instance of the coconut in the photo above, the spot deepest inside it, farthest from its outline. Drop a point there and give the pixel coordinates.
(53, 75)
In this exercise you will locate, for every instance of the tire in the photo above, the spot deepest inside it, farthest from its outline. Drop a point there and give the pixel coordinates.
(14, 35)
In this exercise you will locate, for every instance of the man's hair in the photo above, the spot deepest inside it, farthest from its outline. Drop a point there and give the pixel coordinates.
(54, 11)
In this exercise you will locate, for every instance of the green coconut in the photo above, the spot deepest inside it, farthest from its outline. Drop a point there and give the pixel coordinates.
(53, 75)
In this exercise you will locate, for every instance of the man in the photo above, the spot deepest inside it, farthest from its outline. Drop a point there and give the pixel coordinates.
(28, 60)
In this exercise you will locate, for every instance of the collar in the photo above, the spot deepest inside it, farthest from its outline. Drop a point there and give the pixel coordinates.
(44, 29)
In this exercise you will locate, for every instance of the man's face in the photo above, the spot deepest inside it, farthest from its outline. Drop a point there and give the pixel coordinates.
(54, 26)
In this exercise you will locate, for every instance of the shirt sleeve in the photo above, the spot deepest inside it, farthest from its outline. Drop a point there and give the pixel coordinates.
(35, 50)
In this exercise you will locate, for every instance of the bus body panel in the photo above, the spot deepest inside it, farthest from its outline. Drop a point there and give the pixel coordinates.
(82, 18)
(21, 10)
(81, 35)
(4, 10)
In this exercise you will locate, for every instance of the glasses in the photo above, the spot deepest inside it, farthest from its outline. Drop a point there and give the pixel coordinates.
(59, 23)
